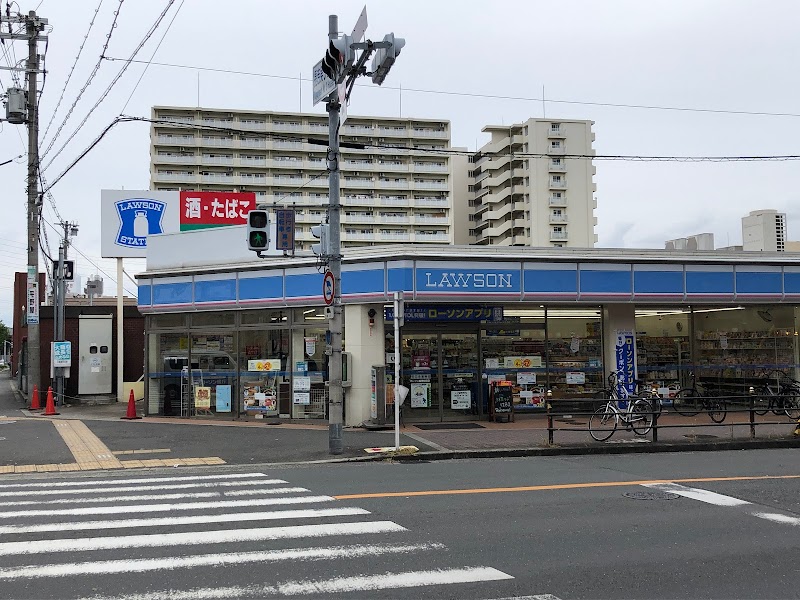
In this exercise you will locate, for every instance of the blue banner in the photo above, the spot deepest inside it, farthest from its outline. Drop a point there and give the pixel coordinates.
(625, 363)
(472, 313)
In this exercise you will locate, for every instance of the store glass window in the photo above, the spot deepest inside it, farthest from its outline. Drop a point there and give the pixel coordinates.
(309, 394)
(168, 355)
(312, 316)
(737, 346)
(209, 384)
(515, 352)
(212, 319)
(265, 376)
(575, 351)
(663, 348)
(167, 320)
(265, 317)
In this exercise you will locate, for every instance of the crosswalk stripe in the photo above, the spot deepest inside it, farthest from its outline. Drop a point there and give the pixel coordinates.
(108, 567)
(103, 499)
(265, 491)
(143, 488)
(384, 581)
(131, 481)
(197, 537)
(188, 520)
(141, 508)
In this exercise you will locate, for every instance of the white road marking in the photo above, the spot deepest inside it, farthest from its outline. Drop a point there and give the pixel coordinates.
(304, 513)
(195, 538)
(777, 518)
(102, 499)
(140, 508)
(340, 584)
(697, 494)
(130, 481)
(287, 490)
(142, 488)
(107, 567)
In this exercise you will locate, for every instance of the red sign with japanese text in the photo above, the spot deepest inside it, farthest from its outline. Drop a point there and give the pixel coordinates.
(200, 210)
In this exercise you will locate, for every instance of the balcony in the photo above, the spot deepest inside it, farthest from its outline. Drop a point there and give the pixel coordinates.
(354, 201)
(395, 236)
(432, 202)
(557, 132)
(431, 237)
(357, 183)
(284, 145)
(216, 178)
(554, 201)
(422, 167)
(429, 133)
(401, 184)
(253, 162)
(392, 131)
(358, 219)
(399, 220)
(358, 165)
(217, 160)
(175, 177)
(175, 140)
(562, 218)
(394, 202)
(560, 150)
(558, 185)
(392, 166)
(430, 185)
(252, 143)
(562, 168)
(426, 220)
(175, 159)
(288, 180)
(217, 122)
(350, 236)
(253, 125)
(296, 127)
(558, 235)
(358, 130)
(252, 179)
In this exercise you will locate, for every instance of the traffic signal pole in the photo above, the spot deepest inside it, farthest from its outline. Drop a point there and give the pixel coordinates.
(335, 390)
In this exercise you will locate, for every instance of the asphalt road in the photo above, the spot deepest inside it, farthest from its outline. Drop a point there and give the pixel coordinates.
(555, 527)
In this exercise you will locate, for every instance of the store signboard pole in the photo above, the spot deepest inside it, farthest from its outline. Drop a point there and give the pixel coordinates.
(399, 391)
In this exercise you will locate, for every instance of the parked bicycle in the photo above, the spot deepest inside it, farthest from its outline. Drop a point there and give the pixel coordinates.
(780, 394)
(693, 400)
(637, 415)
(642, 391)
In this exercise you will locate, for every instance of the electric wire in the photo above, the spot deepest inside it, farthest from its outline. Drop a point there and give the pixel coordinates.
(488, 96)
(72, 70)
(88, 81)
(152, 56)
(112, 84)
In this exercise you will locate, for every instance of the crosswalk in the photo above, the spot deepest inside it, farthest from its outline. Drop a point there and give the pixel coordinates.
(229, 535)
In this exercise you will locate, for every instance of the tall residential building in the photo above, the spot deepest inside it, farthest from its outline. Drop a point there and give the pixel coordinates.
(387, 195)
(764, 230)
(524, 192)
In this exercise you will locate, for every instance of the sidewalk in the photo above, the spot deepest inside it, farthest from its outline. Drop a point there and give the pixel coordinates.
(265, 441)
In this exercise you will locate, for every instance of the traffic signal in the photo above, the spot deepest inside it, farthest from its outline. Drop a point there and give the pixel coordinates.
(258, 230)
(338, 58)
(384, 57)
(321, 232)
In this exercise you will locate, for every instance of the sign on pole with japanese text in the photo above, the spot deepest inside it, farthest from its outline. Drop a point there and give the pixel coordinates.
(625, 361)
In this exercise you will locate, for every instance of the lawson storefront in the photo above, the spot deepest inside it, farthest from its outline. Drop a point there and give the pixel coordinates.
(248, 340)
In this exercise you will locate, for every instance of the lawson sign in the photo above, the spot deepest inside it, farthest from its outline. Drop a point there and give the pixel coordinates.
(445, 279)
(127, 217)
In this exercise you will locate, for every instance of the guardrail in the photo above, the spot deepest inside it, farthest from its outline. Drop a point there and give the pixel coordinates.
(760, 410)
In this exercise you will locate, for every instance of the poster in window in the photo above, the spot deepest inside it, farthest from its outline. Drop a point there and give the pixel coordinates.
(223, 398)
(526, 378)
(576, 378)
(301, 397)
(420, 395)
(460, 397)
(202, 397)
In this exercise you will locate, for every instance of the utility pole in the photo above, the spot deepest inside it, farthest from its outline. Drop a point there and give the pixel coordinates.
(335, 391)
(32, 28)
(59, 296)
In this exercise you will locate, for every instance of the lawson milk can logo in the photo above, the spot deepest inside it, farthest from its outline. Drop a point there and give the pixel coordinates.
(138, 218)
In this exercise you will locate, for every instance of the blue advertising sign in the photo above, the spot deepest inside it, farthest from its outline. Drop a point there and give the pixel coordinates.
(62, 354)
(625, 363)
(138, 218)
(284, 227)
(470, 313)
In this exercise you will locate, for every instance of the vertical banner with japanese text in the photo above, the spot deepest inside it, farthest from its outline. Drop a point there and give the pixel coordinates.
(625, 361)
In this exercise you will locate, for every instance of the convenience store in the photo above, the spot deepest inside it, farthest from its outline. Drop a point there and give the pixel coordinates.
(252, 334)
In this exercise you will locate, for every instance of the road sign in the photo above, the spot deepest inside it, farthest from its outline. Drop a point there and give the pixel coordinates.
(284, 227)
(323, 85)
(328, 288)
(361, 26)
(69, 270)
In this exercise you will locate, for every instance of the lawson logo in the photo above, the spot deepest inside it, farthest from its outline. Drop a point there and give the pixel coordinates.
(138, 218)
(468, 281)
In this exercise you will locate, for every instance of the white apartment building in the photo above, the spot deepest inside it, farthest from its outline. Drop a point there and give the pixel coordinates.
(524, 192)
(764, 230)
(388, 195)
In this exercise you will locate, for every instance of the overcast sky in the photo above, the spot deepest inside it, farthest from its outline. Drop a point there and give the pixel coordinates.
(725, 55)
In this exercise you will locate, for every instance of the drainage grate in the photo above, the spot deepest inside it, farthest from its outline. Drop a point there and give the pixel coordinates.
(700, 436)
(651, 495)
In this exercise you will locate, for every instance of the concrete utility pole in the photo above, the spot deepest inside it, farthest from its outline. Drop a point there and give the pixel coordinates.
(60, 294)
(32, 28)
(335, 406)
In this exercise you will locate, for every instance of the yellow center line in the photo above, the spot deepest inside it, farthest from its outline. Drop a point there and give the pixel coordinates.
(560, 486)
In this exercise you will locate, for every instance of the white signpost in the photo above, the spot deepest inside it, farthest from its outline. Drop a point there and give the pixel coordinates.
(323, 85)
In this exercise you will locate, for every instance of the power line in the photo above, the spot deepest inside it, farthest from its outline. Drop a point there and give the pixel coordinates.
(487, 96)
(88, 81)
(72, 70)
(113, 82)
(152, 56)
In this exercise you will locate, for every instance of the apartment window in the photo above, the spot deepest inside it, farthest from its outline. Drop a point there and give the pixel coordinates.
(555, 127)
(556, 178)
(559, 245)
(557, 212)
(557, 195)
(555, 162)
(555, 144)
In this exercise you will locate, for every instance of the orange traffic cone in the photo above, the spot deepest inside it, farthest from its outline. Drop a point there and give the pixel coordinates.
(35, 400)
(50, 407)
(131, 409)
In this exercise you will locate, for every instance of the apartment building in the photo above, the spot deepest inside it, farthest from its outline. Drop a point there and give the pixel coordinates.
(764, 230)
(525, 192)
(393, 190)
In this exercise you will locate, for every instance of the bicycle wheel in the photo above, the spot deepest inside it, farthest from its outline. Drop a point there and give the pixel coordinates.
(762, 402)
(600, 398)
(603, 423)
(641, 417)
(791, 406)
(716, 410)
(686, 403)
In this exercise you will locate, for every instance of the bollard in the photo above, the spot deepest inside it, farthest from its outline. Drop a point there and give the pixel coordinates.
(549, 418)
(752, 412)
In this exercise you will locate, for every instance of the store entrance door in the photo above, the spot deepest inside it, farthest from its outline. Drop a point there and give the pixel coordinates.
(441, 372)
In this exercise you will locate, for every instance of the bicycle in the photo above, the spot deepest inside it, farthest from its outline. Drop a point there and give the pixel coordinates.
(642, 391)
(637, 415)
(782, 397)
(690, 402)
